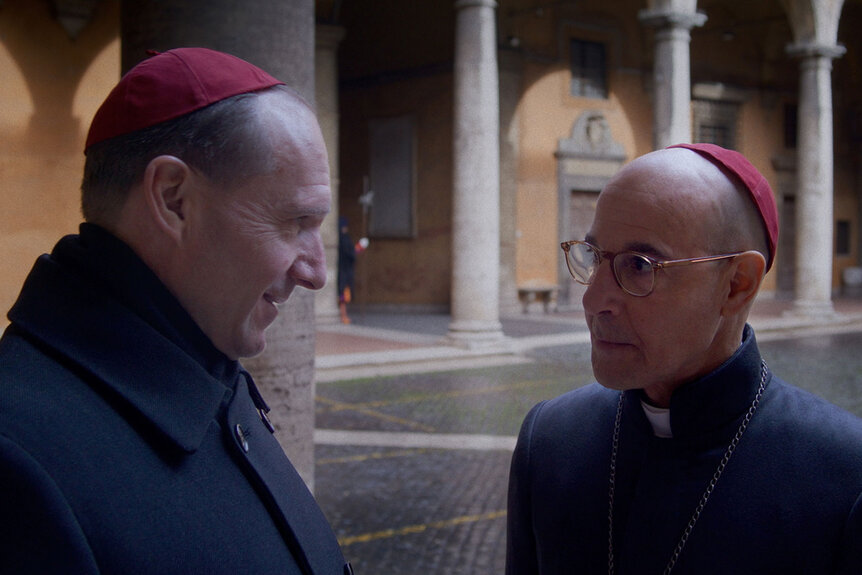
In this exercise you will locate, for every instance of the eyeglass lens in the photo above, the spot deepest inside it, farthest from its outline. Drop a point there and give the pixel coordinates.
(634, 272)
(582, 260)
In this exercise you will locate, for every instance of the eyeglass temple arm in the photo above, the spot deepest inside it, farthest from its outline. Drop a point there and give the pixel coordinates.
(687, 261)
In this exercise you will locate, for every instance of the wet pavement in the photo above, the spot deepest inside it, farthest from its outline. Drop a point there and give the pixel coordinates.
(414, 435)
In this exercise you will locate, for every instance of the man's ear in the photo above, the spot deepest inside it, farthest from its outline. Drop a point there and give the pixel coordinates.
(747, 274)
(167, 183)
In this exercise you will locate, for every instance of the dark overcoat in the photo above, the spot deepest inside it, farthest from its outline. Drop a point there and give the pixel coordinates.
(129, 444)
(789, 500)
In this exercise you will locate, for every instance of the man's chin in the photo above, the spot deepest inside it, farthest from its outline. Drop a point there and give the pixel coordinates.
(252, 345)
(256, 346)
(254, 352)
(612, 384)
(612, 378)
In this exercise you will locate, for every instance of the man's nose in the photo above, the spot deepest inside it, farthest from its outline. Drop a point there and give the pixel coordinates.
(309, 269)
(603, 290)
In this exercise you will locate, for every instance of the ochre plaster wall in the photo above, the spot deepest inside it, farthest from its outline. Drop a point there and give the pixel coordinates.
(759, 138)
(415, 271)
(547, 113)
(50, 87)
(846, 207)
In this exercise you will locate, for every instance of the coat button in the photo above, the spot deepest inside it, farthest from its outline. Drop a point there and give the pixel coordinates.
(265, 419)
(241, 437)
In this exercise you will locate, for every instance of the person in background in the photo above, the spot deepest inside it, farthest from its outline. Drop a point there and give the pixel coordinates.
(347, 252)
(689, 455)
(131, 438)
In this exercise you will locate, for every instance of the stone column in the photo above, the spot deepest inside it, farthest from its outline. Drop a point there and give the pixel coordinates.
(814, 219)
(476, 178)
(278, 37)
(672, 69)
(326, 92)
(510, 94)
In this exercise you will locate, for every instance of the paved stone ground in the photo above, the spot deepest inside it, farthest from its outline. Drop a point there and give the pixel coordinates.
(417, 508)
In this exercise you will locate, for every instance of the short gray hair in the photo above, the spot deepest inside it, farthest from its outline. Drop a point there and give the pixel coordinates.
(222, 141)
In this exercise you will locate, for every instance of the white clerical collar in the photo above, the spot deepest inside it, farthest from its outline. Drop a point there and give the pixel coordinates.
(659, 418)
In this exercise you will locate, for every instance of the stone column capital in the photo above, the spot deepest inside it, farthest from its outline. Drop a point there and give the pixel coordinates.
(459, 4)
(804, 50)
(663, 18)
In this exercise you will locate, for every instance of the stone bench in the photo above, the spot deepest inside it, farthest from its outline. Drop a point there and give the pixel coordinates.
(546, 294)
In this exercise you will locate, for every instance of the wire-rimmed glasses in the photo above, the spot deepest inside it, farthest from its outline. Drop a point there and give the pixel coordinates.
(633, 272)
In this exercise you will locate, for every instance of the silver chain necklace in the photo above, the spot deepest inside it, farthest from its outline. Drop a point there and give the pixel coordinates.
(709, 488)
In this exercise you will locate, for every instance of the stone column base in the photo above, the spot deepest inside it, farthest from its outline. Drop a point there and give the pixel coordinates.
(812, 309)
(473, 334)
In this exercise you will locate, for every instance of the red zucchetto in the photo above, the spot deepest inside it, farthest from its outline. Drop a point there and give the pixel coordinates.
(171, 84)
(756, 184)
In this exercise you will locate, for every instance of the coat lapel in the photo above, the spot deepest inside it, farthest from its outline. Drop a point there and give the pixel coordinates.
(306, 529)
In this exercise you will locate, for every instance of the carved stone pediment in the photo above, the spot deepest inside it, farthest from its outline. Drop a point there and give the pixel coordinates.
(74, 15)
(591, 137)
(587, 159)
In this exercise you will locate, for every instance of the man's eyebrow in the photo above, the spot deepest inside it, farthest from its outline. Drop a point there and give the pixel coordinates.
(645, 249)
(639, 247)
(298, 208)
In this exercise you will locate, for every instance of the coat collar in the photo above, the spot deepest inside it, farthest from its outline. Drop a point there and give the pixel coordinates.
(112, 317)
(715, 401)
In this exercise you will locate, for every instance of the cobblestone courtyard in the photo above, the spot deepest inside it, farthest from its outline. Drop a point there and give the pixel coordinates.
(418, 504)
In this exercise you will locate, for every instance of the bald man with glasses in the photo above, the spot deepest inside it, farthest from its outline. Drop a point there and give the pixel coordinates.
(688, 455)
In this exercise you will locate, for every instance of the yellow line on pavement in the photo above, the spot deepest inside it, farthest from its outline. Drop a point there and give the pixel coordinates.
(411, 529)
(368, 456)
(341, 406)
